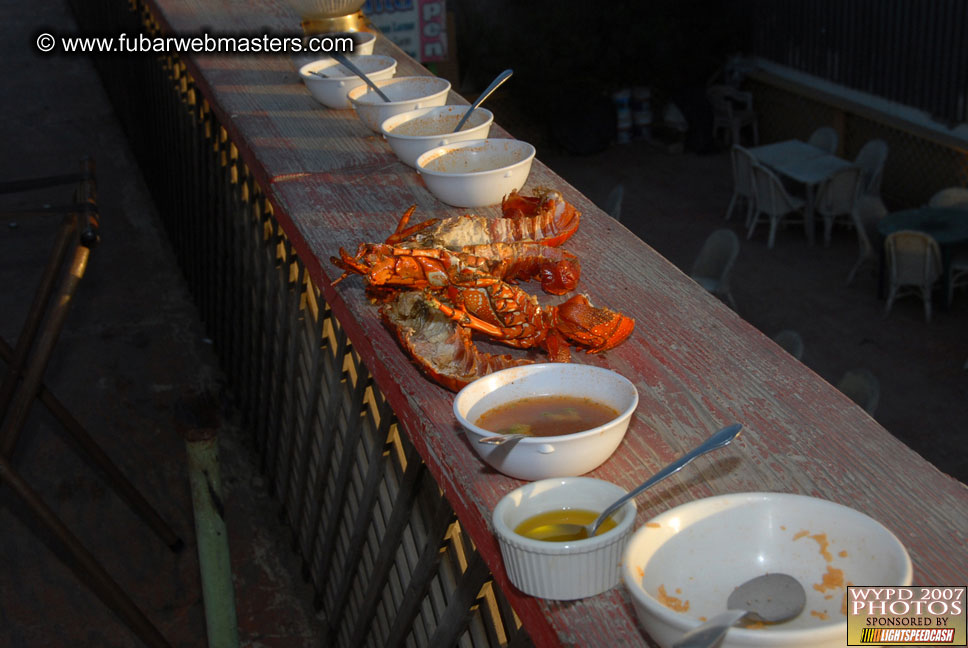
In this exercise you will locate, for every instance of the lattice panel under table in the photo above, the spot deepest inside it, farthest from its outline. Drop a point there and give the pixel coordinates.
(389, 562)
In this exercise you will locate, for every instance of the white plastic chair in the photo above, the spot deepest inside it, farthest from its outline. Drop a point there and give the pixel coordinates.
(836, 198)
(791, 342)
(958, 268)
(913, 265)
(773, 201)
(950, 197)
(824, 138)
(742, 162)
(715, 261)
(867, 212)
(862, 387)
(732, 112)
(871, 159)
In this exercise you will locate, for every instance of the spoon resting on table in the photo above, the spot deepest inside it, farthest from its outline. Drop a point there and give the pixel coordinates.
(771, 598)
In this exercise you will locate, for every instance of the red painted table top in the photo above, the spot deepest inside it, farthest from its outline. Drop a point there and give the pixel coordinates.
(697, 364)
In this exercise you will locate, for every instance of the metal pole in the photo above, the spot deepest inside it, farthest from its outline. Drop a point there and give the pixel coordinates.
(212, 539)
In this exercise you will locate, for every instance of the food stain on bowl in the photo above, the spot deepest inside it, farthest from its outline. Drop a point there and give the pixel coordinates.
(832, 580)
(402, 89)
(429, 125)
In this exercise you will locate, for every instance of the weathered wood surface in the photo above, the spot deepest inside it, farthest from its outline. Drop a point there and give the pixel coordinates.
(697, 364)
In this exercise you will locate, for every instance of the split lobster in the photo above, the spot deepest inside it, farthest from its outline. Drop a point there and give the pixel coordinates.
(442, 280)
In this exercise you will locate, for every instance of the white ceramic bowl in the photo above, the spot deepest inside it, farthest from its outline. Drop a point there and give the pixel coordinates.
(476, 173)
(406, 94)
(700, 551)
(562, 570)
(413, 133)
(551, 456)
(331, 91)
(363, 43)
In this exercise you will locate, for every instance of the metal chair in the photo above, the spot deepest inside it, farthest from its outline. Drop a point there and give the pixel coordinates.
(742, 163)
(23, 383)
(715, 261)
(824, 138)
(867, 212)
(732, 112)
(773, 201)
(836, 198)
(862, 387)
(913, 265)
(871, 159)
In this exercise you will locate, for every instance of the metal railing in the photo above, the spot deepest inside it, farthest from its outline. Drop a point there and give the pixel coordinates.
(388, 560)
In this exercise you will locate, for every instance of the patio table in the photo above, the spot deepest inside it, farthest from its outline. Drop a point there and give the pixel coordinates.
(259, 185)
(946, 225)
(780, 153)
(805, 164)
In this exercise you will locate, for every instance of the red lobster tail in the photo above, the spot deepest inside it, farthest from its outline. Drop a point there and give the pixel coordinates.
(550, 221)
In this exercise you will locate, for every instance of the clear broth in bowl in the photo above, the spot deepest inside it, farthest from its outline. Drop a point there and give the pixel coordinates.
(546, 416)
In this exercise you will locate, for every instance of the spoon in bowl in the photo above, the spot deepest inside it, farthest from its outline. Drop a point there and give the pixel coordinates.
(499, 439)
(352, 67)
(771, 598)
(501, 78)
(580, 531)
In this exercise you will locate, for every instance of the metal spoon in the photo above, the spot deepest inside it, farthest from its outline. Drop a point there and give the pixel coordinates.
(345, 62)
(498, 439)
(771, 598)
(501, 78)
(716, 441)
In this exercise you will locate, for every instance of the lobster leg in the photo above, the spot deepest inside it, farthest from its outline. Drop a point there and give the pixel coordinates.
(403, 232)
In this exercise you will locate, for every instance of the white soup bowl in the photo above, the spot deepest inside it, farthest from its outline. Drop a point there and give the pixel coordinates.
(406, 93)
(332, 91)
(413, 133)
(541, 457)
(476, 173)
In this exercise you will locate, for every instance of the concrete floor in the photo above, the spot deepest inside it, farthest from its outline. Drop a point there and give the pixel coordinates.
(133, 359)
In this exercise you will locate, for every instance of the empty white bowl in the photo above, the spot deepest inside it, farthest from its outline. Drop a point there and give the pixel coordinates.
(413, 133)
(562, 570)
(700, 551)
(548, 456)
(405, 93)
(332, 90)
(476, 173)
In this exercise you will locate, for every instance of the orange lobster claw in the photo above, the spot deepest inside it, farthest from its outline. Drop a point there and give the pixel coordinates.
(599, 329)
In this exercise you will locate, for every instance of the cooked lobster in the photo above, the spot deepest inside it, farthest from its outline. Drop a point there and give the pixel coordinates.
(442, 280)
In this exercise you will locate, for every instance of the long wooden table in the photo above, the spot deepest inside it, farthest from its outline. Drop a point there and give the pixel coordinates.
(329, 183)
